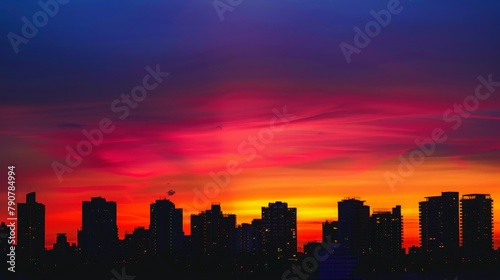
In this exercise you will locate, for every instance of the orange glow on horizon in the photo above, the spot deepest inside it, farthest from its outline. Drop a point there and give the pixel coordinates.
(315, 204)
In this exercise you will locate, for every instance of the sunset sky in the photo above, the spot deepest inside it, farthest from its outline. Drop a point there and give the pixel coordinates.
(348, 125)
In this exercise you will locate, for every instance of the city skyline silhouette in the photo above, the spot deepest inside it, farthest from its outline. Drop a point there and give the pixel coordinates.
(364, 240)
(301, 242)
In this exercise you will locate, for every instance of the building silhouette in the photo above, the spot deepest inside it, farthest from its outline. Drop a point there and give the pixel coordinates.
(31, 231)
(211, 232)
(247, 238)
(439, 224)
(330, 231)
(137, 244)
(257, 236)
(477, 224)
(244, 239)
(279, 224)
(98, 237)
(167, 235)
(386, 238)
(353, 225)
(61, 247)
(64, 254)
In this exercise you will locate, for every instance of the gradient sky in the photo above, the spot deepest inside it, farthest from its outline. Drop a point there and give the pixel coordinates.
(350, 122)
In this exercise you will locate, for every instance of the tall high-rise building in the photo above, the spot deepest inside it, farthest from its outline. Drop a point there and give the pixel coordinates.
(98, 237)
(257, 236)
(477, 223)
(211, 232)
(353, 225)
(279, 224)
(330, 231)
(167, 235)
(439, 224)
(31, 231)
(243, 239)
(386, 238)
